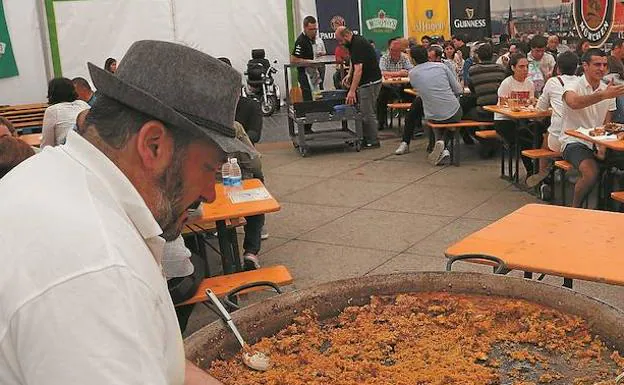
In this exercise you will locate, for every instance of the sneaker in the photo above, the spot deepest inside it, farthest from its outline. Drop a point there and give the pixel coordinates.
(436, 152)
(444, 157)
(545, 192)
(367, 146)
(264, 233)
(250, 262)
(403, 149)
(535, 179)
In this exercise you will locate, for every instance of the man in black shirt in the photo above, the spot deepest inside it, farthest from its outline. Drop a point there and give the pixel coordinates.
(365, 81)
(304, 53)
(485, 78)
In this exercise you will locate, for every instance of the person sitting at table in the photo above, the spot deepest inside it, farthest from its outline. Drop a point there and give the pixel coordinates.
(392, 65)
(485, 79)
(450, 54)
(541, 64)
(13, 151)
(84, 91)
(587, 103)
(7, 128)
(518, 88)
(60, 117)
(438, 88)
(552, 98)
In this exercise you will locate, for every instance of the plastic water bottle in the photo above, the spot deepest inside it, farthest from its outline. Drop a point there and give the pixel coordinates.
(236, 176)
(225, 174)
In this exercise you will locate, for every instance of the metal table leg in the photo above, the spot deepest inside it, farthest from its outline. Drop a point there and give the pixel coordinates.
(225, 246)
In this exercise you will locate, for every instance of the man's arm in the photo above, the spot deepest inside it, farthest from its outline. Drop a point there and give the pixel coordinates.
(195, 376)
(577, 102)
(455, 86)
(297, 60)
(608, 117)
(355, 83)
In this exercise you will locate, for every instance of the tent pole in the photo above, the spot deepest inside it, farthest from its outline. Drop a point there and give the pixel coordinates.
(45, 39)
(290, 18)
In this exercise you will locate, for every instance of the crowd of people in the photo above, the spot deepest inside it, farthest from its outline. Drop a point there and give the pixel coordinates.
(455, 79)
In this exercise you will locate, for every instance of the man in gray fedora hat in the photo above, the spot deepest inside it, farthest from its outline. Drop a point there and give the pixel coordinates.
(83, 299)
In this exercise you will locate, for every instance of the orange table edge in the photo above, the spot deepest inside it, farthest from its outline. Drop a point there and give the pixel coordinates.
(562, 241)
(520, 114)
(615, 145)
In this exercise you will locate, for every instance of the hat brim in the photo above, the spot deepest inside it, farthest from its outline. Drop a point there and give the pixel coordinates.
(115, 88)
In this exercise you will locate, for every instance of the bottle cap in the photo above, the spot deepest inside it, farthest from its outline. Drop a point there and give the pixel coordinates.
(233, 160)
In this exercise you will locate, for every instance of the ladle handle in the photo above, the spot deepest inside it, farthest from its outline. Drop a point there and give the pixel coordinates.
(226, 316)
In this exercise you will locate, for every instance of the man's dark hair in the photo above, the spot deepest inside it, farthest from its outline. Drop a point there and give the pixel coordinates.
(61, 90)
(226, 61)
(485, 52)
(5, 122)
(538, 41)
(617, 43)
(504, 38)
(392, 39)
(425, 37)
(81, 82)
(371, 41)
(13, 151)
(309, 20)
(419, 54)
(513, 61)
(567, 62)
(461, 37)
(592, 52)
(115, 123)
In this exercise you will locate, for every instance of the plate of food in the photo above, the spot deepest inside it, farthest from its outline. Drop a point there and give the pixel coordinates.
(598, 133)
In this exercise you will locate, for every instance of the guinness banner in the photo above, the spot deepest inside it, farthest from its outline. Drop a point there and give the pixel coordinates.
(471, 18)
(332, 14)
(428, 18)
(382, 20)
(8, 67)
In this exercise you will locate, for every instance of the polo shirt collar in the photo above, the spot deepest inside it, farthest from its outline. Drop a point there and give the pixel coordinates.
(586, 84)
(118, 184)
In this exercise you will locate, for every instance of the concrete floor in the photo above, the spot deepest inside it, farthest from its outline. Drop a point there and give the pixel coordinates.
(347, 214)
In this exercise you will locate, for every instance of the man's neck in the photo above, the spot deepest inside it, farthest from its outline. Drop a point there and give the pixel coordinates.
(594, 83)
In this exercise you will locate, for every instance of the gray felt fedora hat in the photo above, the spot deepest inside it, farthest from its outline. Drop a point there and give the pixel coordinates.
(179, 86)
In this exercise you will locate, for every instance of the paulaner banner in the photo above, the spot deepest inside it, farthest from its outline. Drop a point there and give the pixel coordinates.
(8, 67)
(333, 14)
(471, 18)
(428, 18)
(382, 20)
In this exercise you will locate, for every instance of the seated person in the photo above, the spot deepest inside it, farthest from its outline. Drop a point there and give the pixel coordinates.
(6, 128)
(12, 152)
(517, 87)
(552, 98)
(484, 81)
(84, 91)
(393, 65)
(248, 126)
(60, 117)
(438, 89)
(587, 102)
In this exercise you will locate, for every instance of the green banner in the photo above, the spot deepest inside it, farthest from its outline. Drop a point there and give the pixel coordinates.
(382, 20)
(8, 67)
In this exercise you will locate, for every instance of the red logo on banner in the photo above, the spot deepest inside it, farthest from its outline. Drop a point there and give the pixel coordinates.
(594, 19)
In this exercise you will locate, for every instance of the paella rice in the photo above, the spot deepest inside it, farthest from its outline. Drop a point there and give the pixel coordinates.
(432, 338)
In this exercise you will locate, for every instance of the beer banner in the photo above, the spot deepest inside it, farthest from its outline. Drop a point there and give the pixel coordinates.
(332, 14)
(593, 20)
(471, 18)
(428, 18)
(382, 20)
(8, 67)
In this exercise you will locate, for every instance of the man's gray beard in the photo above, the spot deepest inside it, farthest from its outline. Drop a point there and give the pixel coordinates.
(168, 210)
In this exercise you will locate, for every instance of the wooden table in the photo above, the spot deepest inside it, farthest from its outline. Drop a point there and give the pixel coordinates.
(615, 145)
(395, 81)
(33, 140)
(223, 209)
(562, 241)
(521, 118)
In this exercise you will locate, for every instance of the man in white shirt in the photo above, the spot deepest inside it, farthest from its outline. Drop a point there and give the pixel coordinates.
(588, 103)
(541, 64)
(83, 298)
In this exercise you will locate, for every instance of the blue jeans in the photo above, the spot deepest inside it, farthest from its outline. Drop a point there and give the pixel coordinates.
(618, 115)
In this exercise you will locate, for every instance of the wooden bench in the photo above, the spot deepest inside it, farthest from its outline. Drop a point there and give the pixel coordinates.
(541, 153)
(224, 284)
(487, 134)
(455, 128)
(618, 196)
(401, 107)
(25, 116)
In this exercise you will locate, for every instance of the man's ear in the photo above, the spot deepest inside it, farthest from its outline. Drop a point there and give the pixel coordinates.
(154, 146)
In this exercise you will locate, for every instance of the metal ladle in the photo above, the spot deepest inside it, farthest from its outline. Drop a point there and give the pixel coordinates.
(255, 360)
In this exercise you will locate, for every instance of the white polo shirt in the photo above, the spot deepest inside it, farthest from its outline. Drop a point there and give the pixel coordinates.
(551, 98)
(588, 117)
(82, 296)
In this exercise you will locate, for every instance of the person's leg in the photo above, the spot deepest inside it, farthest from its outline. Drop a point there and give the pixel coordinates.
(306, 92)
(386, 95)
(413, 121)
(367, 99)
(322, 76)
(252, 242)
(582, 158)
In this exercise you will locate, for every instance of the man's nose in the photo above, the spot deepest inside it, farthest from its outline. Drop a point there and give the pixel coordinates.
(209, 193)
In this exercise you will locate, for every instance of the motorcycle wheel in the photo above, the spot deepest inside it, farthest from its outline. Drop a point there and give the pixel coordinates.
(269, 107)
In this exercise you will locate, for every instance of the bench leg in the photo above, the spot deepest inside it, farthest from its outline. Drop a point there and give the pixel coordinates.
(503, 150)
(225, 246)
(567, 282)
(528, 275)
(563, 183)
(391, 113)
(455, 154)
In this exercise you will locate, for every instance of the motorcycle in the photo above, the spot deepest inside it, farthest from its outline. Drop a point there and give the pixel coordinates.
(261, 85)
